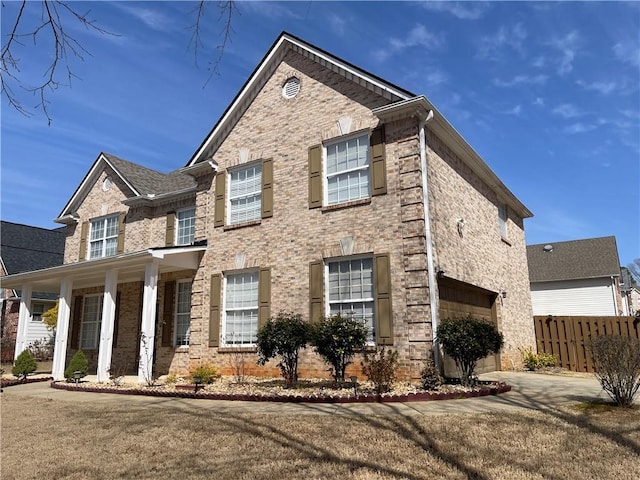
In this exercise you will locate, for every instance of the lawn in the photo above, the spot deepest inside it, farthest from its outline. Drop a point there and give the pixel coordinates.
(60, 439)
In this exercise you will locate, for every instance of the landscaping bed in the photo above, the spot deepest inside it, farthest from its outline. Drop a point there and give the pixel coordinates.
(9, 382)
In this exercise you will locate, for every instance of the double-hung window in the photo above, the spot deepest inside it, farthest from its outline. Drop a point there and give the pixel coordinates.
(502, 220)
(241, 308)
(183, 312)
(37, 309)
(350, 288)
(245, 194)
(104, 237)
(347, 170)
(91, 321)
(186, 230)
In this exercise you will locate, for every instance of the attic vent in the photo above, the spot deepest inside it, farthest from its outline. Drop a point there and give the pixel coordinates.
(291, 87)
(106, 184)
(548, 248)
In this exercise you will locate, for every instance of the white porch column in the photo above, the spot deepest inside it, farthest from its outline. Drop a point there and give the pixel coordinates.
(148, 327)
(108, 322)
(24, 316)
(62, 330)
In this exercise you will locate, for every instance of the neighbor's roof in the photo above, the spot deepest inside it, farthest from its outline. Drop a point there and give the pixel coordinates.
(24, 248)
(576, 259)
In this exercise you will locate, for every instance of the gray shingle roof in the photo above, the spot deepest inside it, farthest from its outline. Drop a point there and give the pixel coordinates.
(148, 181)
(24, 248)
(576, 259)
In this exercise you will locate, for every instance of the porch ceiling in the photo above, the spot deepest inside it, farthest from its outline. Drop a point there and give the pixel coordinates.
(91, 273)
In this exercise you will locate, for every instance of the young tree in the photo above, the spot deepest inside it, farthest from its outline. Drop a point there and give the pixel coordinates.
(50, 317)
(617, 363)
(78, 363)
(25, 364)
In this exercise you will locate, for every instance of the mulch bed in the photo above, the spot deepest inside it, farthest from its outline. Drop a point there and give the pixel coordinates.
(9, 382)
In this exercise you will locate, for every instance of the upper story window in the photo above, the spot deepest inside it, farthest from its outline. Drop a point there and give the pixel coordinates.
(502, 220)
(245, 194)
(186, 230)
(104, 237)
(347, 170)
(37, 309)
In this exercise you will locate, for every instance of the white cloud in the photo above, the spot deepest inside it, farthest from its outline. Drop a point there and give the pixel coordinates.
(568, 47)
(492, 46)
(464, 11)
(539, 62)
(628, 52)
(153, 19)
(604, 88)
(520, 80)
(435, 77)
(337, 24)
(417, 36)
(579, 128)
(268, 9)
(539, 101)
(517, 110)
(566, 110)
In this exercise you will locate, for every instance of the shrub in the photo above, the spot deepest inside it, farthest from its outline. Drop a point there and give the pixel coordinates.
(24, 365)
(337, 339)
(50, 317)
(617, 363)
(536, 361)
(42, 349)
(283, 336)
(430, 378)
(207, 373)
(468, 340)
(380, 367)
(172, 378)
(78, 363)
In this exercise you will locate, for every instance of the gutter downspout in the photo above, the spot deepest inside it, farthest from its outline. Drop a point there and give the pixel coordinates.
(616, 312)
(433, 300)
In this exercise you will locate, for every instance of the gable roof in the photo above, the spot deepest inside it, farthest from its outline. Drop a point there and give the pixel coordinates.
(24, 248)
(142, 181)
(573, 260)
(394, 94)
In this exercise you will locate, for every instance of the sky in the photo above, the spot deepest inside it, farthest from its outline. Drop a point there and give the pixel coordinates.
(547, 93)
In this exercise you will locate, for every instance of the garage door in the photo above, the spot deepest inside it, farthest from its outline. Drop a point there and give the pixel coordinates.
(458, 299)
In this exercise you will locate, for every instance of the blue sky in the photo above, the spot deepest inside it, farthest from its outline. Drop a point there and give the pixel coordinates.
(547, 93)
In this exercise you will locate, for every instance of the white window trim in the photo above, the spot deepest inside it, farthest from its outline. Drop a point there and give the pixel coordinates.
(104, 237)
(244, 166)
(98, 321)
(176, 313)
(224, 334)
(177, 226)
(325, 175)
(39, 314)
(327, 303)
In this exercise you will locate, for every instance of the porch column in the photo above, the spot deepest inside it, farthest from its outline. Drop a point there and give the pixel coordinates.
(106, 327)
(148, 326)
(62, 330)
(24, 316)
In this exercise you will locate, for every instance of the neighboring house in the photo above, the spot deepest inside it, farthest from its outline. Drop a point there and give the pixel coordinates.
(24, 248)
(634, 301)
(578, 277)
(321, 189)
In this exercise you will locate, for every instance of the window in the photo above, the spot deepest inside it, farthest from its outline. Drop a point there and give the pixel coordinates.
(241, 308)
(245, 194)
(186, 226)
(91, 321)
(183, 312)
(37, 309)
(347, 170)
(502, 220)
(104, 237)
(351, 290)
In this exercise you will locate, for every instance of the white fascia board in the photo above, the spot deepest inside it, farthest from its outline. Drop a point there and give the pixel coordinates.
(155, 199)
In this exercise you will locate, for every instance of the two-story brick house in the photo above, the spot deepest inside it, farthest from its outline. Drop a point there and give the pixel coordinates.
(321, 189)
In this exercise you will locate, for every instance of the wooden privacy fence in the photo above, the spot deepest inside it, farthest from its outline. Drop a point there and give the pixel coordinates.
(568, 337)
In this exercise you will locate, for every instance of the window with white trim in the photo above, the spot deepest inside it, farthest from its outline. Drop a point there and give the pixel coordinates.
(183, 312)
(37, 309)
(245, 194)
(91, 322)
(104, 237)
(241, 308)
(186, 220)
(350, 289)
(502, 220)
(347, 172)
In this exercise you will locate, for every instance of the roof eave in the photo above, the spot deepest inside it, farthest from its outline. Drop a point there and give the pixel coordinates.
(152, 199)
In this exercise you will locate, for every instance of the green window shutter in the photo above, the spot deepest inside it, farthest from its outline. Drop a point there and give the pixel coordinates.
(214, 310)
(316, 288)
(315, 176)
(378, 162)
(267, 188)
(167, 313)
(383, 313)
(220, 199)
(76, 322)
(84, 233)
(264, 296)
(121, 232)
(170, 234)
(116, 321)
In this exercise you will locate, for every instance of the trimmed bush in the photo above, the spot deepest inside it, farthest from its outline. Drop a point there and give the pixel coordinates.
(430, 378)
(337, 339)
(617, 363)
(24, 365)
(467, 340)
(535, 361)
(207, 374)
(78, 363)
(380, 367)
(283, 336)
